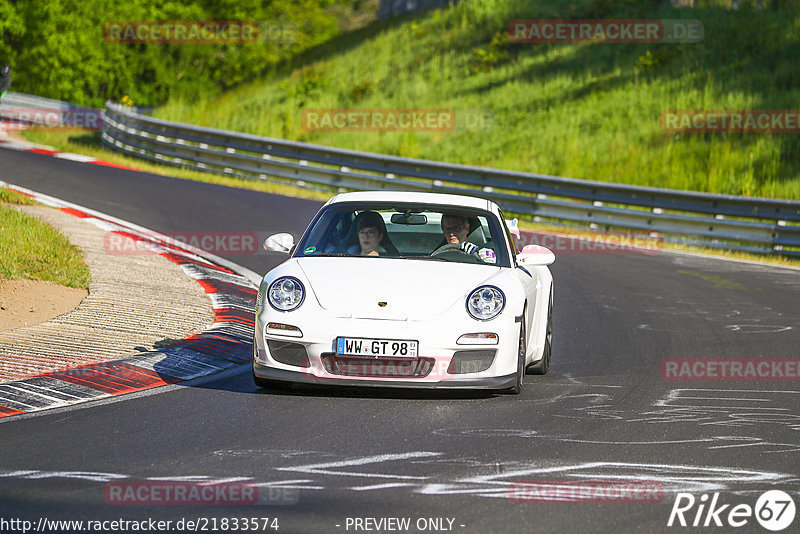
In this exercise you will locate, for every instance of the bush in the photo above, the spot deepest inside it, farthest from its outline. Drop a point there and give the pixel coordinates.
(58, 48)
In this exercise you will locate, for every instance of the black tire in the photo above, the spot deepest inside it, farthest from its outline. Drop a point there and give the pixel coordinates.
(262, 382)
(516, 389)
(543, 366)
(274, 385)
(266, 383)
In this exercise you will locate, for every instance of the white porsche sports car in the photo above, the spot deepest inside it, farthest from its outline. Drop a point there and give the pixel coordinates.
(407, 290)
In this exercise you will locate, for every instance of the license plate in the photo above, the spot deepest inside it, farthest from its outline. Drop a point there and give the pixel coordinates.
(376, 348)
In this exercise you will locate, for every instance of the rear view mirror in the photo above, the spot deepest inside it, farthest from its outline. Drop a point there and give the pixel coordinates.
(409, 218)
(279, 243)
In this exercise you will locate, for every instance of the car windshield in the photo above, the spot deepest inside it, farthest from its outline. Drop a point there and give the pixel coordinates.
(414, 232)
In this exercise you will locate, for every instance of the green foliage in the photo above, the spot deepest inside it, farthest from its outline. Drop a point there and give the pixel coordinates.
(654, 60)
(58, 48)
(497, 52)
(584, 110)
(361, 89)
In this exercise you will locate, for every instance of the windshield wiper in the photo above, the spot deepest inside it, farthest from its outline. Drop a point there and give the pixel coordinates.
(433, 258)
(324, 255)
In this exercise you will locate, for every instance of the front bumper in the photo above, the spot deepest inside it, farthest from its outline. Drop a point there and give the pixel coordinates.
(283, 375)
(438, 343)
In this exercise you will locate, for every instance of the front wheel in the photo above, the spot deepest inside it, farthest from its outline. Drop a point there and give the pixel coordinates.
(262, 382)
(274, 385)
(516, 389)
(543, 366)
(266, 383)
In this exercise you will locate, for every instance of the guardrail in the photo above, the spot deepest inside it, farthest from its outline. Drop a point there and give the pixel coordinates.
(20, 111)
(22, 100)
(716, 221)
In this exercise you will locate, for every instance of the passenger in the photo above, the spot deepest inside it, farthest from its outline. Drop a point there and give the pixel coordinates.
(371, 232)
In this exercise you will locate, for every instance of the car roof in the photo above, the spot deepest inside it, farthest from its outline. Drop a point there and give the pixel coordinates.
(411, 196)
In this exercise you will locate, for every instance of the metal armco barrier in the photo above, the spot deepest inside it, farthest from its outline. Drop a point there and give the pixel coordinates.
(14, 100)
(716, 221)
(24, 110)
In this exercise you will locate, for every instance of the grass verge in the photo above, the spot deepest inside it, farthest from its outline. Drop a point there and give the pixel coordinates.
(34, 250)
(582, 110)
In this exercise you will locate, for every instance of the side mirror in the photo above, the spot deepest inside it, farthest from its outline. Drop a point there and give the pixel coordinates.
(535, 255)
(279, 243)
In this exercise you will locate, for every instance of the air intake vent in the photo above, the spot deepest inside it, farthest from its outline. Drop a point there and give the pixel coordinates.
(377, 367)
(470, 361)
(288, 353)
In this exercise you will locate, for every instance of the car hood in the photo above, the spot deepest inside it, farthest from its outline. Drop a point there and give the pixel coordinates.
(410, 288)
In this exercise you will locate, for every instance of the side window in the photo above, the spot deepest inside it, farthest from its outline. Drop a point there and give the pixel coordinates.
(338, 233)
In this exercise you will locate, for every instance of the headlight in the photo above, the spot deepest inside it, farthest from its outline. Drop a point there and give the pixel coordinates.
(286, 293)
(485, 303)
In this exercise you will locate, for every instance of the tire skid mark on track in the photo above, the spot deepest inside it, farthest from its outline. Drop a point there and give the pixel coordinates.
(712, 415)
(393, 472)
(227, 342)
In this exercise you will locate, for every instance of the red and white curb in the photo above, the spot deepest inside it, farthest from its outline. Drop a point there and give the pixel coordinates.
(226, 343)
(26, 146)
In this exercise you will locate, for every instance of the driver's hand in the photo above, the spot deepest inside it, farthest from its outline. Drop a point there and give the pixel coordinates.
(468, 247)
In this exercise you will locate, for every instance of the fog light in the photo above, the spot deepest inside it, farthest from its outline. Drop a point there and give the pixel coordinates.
(280, 329)
(482, 338)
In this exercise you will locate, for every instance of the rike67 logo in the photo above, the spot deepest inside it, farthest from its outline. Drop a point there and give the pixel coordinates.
(774, 510)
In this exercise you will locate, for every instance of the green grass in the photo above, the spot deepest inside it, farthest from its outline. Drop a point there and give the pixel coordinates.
(581, 110)
(9, 196)
(34, 250)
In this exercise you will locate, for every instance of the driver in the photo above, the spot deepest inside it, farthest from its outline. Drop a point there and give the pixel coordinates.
(456, 229)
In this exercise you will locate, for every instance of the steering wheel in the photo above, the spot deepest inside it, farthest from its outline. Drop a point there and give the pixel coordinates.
(453, 252)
